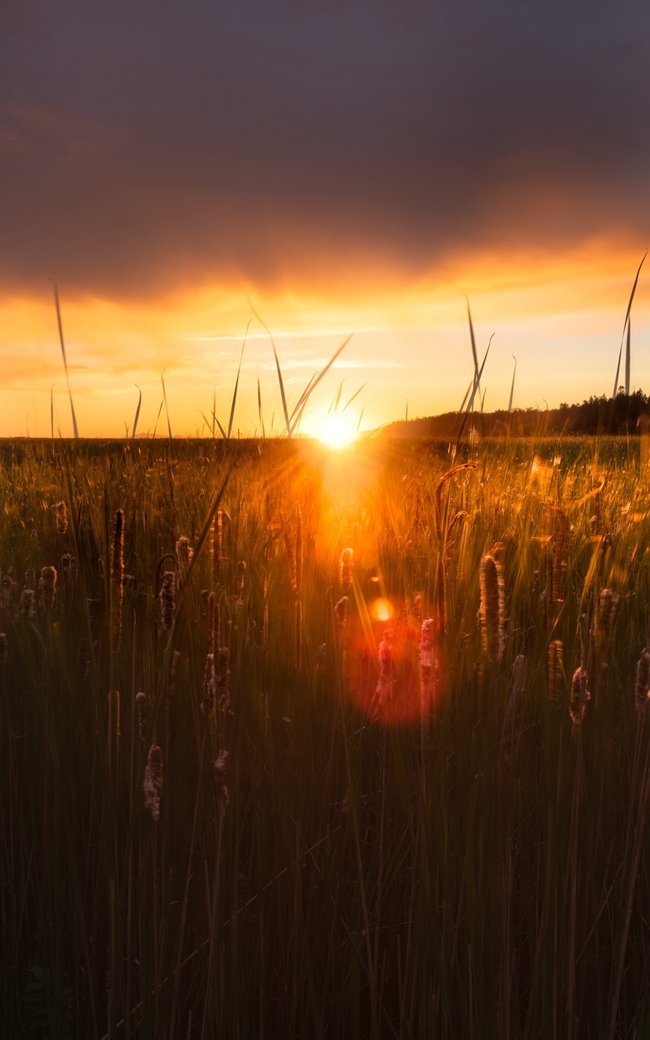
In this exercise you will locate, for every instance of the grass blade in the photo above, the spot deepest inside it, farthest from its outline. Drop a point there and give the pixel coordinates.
(512, 386)
(65, 360)
(169, 425)
(259, 407)
(356, 394)
(234, 396)
(137, 413)
(626, 323)
(277, 365)
(321, 375)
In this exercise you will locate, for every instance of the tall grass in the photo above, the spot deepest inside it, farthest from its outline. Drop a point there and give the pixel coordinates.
(213, 826)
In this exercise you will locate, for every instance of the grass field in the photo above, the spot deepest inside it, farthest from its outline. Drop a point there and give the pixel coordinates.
(308, 744)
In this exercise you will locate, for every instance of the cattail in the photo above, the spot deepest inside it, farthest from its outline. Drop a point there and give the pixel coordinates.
(30, 578)
(223, 680)
(9, 587)
(209, 685)
(27, 608)
(47, 587)
(141, 708)
(241, 581)
(519, 676)
(560, 539)
(4, 649)
(61, 517)
(642, 685)
(607, 607)
(346, 563)
(167, 598)
(117, 580)
(184, 554)
(555, 669)
(297, 633)
(579, 696)
(427, 662)
(385, 681)
(217, 549)
(492, 610)
(67, 567)
(417, 608)
(220, 771)
(341, 613)
(321, 661)
(153, 782)
(295, 557)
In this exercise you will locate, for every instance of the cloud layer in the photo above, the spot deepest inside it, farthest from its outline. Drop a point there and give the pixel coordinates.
(148, 147)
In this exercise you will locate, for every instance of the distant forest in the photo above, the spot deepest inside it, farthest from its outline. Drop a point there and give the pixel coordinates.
(625, 413)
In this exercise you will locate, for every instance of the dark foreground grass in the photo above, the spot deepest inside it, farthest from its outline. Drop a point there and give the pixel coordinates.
(449, 858)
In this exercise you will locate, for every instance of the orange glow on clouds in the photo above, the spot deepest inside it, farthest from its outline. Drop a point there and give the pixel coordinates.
(410, 344)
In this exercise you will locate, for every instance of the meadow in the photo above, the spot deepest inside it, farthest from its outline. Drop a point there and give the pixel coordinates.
(298, 743)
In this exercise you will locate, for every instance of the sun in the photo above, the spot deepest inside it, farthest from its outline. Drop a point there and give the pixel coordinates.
(336, 431)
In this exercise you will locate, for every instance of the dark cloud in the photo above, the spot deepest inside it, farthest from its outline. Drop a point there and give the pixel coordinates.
(145, 145)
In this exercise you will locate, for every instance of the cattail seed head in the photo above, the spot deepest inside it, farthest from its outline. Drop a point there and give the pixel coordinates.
(220, 772)
(241, 580)
(428, 662)
(560, 539)
(223, 680)
(642, 685)
(346, 563)
(607, 606)
(47, 587)
(341, 612)
(4, 649)
(117, 580)
(141, 708)
(297, 634)
(208, 699)
(60, 511)
(27, 607)
(9, 587)
(579, 696)
(555, 669)
(218, 559)
(385, 681)
(66, 567)
(184, 554)
(167, 598)
(492, 608)
(153, 782)
(519, 676)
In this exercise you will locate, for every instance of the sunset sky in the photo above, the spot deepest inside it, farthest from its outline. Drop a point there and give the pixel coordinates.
(343, 167)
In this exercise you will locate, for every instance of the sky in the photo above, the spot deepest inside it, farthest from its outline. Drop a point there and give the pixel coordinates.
(187, 171)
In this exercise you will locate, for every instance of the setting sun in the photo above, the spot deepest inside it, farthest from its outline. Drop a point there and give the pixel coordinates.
(337, 431)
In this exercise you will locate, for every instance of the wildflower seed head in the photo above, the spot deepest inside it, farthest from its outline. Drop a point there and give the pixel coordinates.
(117, 580)
(47, 587)
(492, 609)
(346, 563)
(579, 696)
(61, 517)
(153, 782)
(555, 668)
(27, 607)
(220, 772)
(168, 599)
(141, 707)
(341, 611)
(642, 685)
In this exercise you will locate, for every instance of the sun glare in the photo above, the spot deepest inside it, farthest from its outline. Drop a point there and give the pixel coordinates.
(337, 431)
